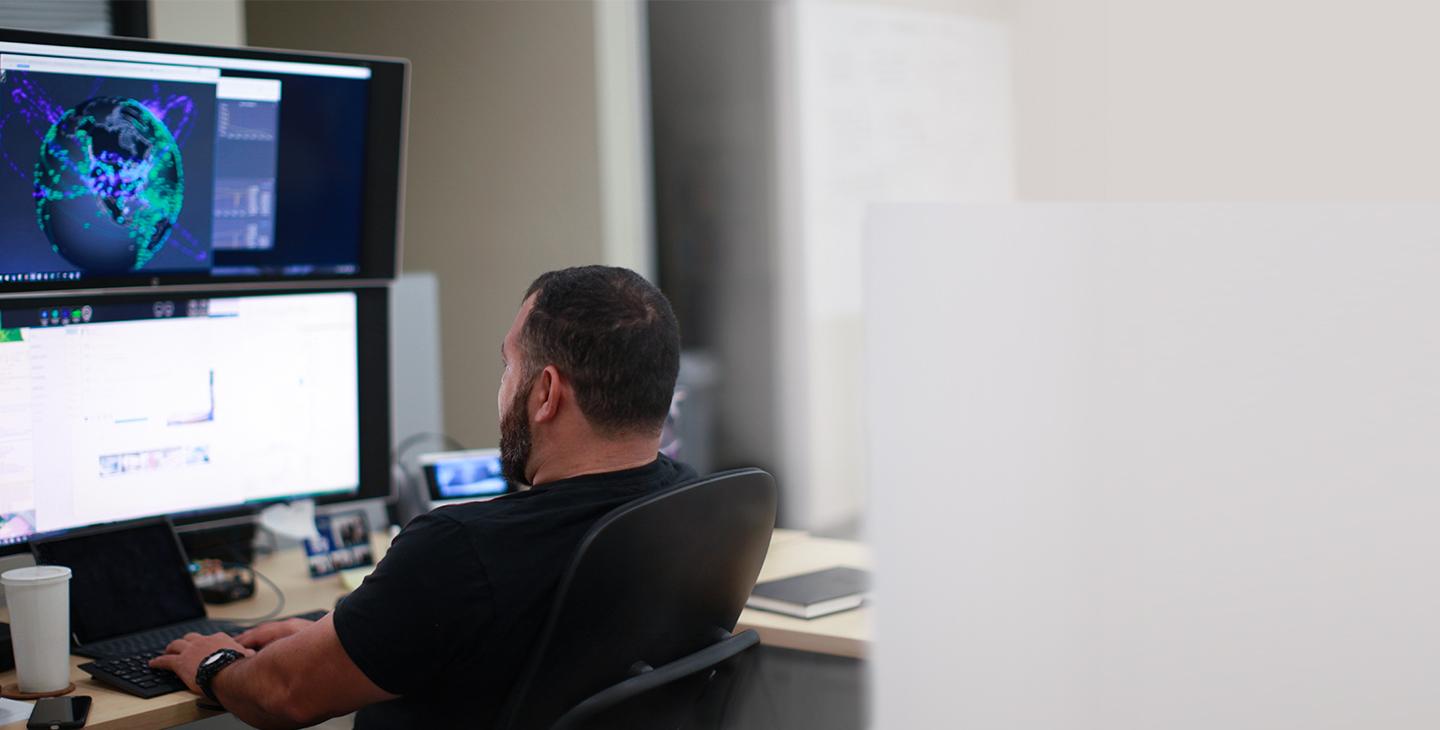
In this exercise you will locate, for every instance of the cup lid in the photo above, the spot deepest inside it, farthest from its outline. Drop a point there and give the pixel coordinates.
(38, 575)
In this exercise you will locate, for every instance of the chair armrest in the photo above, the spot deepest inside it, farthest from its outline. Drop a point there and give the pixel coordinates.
(706, 658)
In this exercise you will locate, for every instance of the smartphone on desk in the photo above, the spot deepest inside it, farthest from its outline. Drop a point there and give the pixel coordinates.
(58, 713)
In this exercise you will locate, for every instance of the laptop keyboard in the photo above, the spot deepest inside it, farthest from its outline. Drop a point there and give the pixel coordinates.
(153, 642)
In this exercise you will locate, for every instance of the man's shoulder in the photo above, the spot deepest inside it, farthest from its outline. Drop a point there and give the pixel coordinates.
(510, 510)
(489, 509)
(469, 520)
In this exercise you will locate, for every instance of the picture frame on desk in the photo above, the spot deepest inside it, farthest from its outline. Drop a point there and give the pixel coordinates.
(344, 543)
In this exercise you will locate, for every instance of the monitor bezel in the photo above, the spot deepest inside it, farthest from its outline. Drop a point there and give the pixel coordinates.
(372, 322)
(385, 150)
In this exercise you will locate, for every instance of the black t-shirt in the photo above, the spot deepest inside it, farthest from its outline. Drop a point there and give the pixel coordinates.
(449, 616)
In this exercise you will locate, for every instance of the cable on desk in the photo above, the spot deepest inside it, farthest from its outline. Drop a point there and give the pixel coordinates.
(279, 593)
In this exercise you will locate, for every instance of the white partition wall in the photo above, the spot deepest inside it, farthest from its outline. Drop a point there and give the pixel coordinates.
(879, 102)
(1155, 466)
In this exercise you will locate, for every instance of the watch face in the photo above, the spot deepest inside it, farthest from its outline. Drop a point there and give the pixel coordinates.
(214, 658)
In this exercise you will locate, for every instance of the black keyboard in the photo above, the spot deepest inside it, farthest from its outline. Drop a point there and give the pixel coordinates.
(131, 672)
(133, 675)
(153, 642)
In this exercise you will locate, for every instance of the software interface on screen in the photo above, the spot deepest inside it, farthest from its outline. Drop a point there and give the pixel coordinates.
(142, 164)
(116, 410)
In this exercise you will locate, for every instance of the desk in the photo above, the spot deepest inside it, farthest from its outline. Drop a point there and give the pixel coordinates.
(114, 710)
(844, 634)
(790, 553)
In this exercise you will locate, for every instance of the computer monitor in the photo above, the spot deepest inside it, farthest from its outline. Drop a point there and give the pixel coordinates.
(129, 162)
(114, 408)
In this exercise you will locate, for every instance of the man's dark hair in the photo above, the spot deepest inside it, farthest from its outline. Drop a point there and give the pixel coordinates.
(613, 334)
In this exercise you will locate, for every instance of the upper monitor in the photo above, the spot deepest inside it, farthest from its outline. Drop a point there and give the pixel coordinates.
(127, 162)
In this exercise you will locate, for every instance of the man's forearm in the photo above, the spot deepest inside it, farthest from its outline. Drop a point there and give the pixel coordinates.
(257, 691)
(293, 682)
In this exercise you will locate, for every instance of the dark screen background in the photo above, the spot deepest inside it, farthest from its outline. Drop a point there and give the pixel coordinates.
(320, 178)
(125, 580)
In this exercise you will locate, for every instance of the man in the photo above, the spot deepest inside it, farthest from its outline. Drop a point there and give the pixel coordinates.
(436, 635)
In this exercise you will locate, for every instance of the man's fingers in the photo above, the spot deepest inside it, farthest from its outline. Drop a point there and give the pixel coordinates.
(263, 635)
(258, 636)
(168, 662)
(192, 636)
(177, 646)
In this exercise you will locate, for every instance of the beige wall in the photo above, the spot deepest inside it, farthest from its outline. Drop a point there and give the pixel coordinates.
(1226, 99)
(211, 22)
(503, 170)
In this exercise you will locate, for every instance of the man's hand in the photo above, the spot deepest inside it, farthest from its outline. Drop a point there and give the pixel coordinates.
(261, 636)
(298, 681)
(183, 656)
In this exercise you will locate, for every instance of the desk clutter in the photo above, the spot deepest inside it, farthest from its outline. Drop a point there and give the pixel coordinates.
(118, 595)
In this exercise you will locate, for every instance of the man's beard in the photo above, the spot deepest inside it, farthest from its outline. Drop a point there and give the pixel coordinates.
(515, 438)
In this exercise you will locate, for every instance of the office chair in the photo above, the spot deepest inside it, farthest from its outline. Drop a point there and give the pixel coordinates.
(642, 618)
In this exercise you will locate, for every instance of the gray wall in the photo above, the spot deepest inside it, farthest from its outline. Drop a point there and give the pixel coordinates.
(712, 73)
(503, 171)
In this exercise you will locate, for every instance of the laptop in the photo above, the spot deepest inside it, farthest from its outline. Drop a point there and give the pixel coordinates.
(131, 591)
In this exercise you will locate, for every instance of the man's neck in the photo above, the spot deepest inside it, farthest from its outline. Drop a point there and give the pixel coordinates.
(552, 465)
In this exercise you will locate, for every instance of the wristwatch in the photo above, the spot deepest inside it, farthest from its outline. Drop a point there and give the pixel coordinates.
(211, 666)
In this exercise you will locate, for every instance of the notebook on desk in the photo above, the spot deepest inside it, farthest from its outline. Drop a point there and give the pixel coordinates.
(812, 595)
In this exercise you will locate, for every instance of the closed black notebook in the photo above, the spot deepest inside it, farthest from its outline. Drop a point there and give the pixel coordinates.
(811, 595)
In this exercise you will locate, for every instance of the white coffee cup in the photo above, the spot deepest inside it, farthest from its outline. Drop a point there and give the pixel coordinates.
(39, 600)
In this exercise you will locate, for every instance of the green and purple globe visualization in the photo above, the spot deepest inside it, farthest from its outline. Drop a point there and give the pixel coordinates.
(109, 185)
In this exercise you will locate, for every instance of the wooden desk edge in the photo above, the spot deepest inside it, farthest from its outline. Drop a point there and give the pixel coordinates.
(114, 710)
(808, 641)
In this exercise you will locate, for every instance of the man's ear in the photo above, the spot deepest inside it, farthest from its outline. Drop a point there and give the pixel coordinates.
(547, 394)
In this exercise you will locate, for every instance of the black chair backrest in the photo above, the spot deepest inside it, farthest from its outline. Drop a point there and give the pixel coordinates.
(655, 580)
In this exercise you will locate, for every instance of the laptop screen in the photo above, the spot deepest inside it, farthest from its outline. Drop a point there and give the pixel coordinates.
(125, 579)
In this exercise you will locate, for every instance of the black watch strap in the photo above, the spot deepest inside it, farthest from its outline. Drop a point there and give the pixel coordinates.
(211, 666)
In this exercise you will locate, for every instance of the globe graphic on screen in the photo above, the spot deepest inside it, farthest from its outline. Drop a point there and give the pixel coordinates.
(109, 185)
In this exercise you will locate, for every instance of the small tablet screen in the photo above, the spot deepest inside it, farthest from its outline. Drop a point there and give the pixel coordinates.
(464, 474)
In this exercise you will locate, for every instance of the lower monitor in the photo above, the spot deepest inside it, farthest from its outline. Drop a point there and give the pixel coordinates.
(114, 409)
